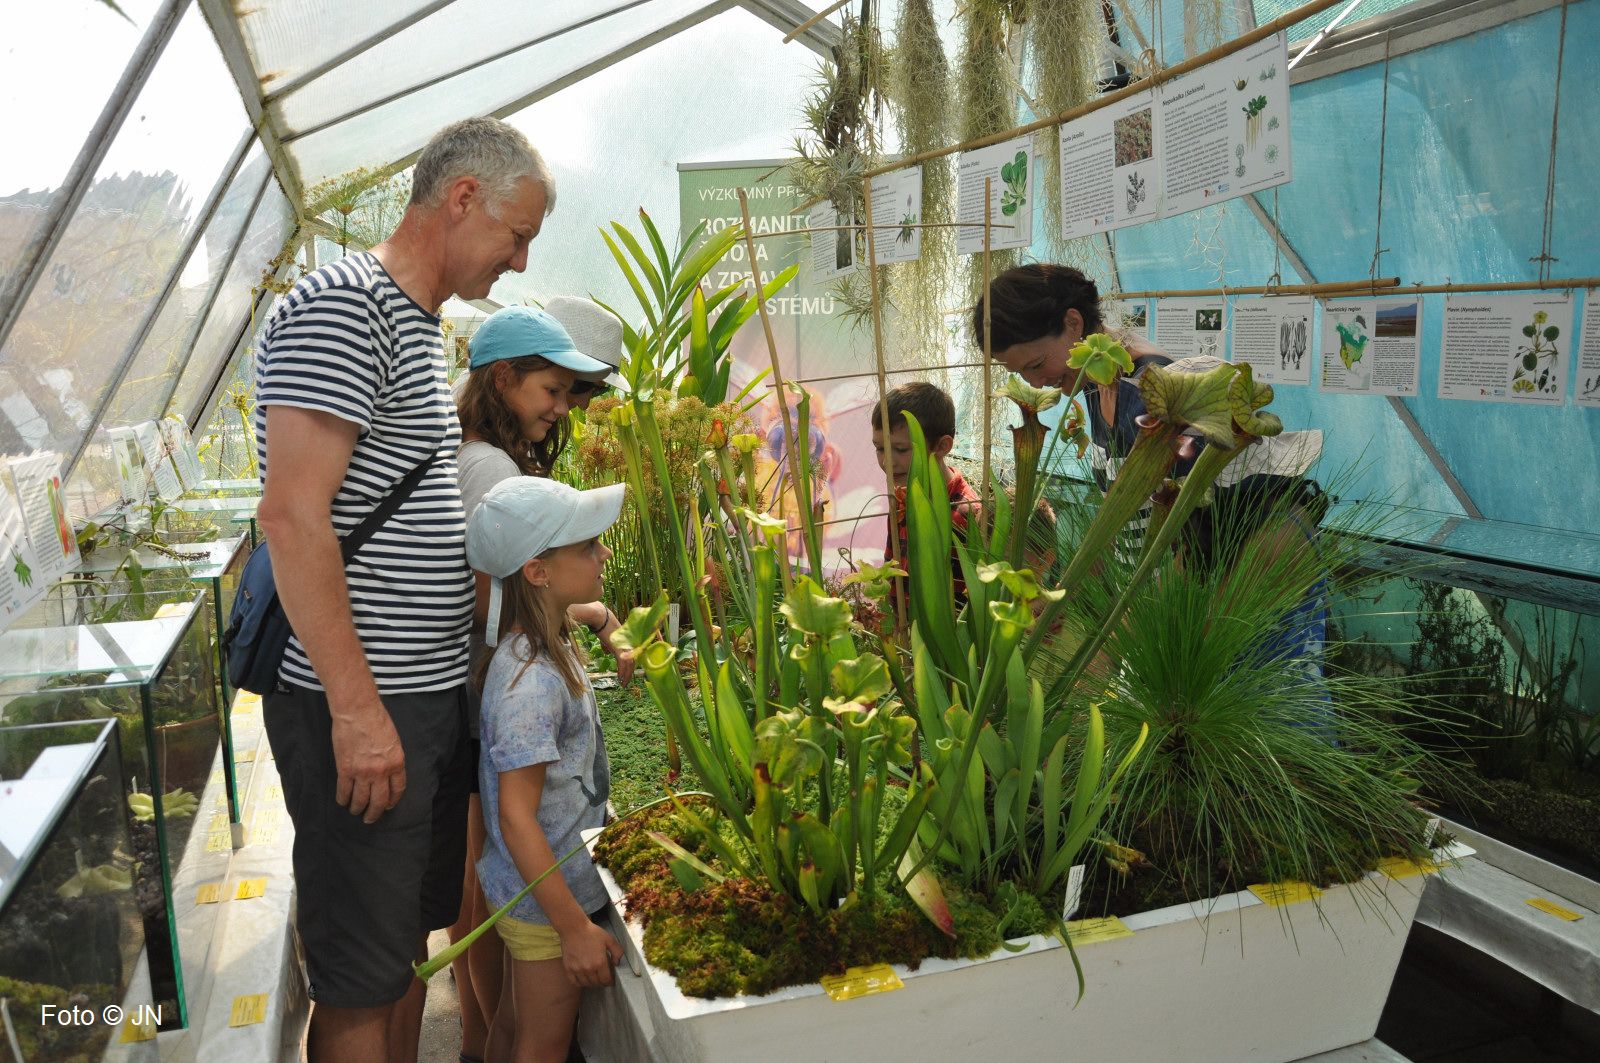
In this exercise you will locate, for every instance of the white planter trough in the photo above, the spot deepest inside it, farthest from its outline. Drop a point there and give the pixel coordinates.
(1224, 980)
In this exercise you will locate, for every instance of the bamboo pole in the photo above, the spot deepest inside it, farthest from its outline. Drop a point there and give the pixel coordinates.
(1238, 44)
(890, 372)
(793, 440)
(813, 20)
(1325, 288)
(854, 228)
(887, 429)
(988, 386)
(1501, 286)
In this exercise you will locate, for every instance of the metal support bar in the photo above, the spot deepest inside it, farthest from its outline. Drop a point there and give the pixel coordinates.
(788, 15)
(211, 300)
(16, 288)
(225, 27)
(1435, 459)
(1409, 29)
(207, 396)
(131, 351)
(300, 81)
(400, 94)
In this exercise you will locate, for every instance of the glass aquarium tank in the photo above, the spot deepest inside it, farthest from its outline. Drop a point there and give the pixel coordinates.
(71, 939)
(155, 679)
(1491, 623)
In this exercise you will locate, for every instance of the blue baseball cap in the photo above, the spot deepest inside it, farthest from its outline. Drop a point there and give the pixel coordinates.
(520, 331)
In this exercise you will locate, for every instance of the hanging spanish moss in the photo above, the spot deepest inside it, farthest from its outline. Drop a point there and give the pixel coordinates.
(919, 85)
(1063, 39)
(987, 83)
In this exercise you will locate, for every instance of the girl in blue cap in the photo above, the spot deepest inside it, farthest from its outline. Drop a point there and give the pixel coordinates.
(543, 777)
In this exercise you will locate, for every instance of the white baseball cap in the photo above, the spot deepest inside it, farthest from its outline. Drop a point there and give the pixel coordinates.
(595, 332)
(524, 516)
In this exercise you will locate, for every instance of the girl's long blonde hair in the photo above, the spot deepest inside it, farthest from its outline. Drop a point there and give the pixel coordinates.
(523, 612)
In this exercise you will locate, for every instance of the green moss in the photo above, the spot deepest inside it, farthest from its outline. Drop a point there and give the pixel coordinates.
(636, 745)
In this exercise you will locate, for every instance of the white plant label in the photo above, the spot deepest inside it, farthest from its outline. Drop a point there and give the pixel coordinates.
(833, 244)
(1506, 348)
(21, 576)
(1188, 327)
(1008, 168)
(1275, 337)
(44, 513)
(896, 210)
(1074, 892)
(1110, 169)
(179, 446)
(162, 471)
(130, 466)
(1372, 346)
(1225, 128)
(1588, 389)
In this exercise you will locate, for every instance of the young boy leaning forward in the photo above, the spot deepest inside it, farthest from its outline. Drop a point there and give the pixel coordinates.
(936, 414)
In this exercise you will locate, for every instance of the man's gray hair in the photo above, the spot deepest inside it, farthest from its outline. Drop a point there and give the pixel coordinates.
(497, 154)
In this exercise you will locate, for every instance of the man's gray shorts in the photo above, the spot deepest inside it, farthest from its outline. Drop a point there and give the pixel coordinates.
(367, 894)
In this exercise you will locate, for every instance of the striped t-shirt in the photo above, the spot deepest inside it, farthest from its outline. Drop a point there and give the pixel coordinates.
(346, 340)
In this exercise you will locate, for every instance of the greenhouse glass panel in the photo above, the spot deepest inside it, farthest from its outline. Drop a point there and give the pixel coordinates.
(123, 242)
(149, 379)
(285, 44)
(1267, 10)
(102, 43)
(460, 36)
(269, 230)
(394, 130)
(749, 115)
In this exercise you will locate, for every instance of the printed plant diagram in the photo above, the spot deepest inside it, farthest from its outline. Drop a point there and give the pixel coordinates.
(1015, 175)
(1536, 362)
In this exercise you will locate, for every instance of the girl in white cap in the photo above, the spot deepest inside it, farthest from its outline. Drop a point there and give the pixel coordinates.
(543, 776)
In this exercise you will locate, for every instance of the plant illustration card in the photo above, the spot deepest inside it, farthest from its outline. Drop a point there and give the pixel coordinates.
(21, 582)
(1225, 128)
(1275, 337)
(163, 473)
(833, 243)
(1110, 168)
(1372, 346)
(130, 465)
(1507, 348)
(1008, 168)
(179, 445)
(1588, 387)
(896, 210)
(44, 512)
(1187, 327)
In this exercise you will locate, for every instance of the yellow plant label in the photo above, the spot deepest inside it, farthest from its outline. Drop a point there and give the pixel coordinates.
(250, 887)
(210, 893)
(862, 982)
(219, 841)
(248, 1010)
(1088, 931)
(172, 609)
(1279, 894)
(264, 835)
(245, 701)
(275, 792)
(219, 821)
(134, 1031)
(1552, 908)
(244, 757)
(1402, 867)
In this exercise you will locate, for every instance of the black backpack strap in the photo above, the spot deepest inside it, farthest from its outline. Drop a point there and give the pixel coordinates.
(362, 532)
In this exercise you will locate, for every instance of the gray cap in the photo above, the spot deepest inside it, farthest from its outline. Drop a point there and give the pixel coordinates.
(595, 332)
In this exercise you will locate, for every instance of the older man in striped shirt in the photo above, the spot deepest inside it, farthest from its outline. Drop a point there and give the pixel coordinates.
(368, 723)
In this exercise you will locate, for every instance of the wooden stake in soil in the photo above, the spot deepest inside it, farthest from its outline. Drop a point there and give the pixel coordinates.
(988, 405)
(792, 441)
(897, 584)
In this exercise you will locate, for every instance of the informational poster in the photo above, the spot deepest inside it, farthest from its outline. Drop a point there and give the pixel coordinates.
(1188, 327)
(179, 446)
(131, 478)
(1008, 169)
(1273, 335)
(21, 578)
(1372, 346)
(1506, 348)
(1589, 352)
(163, 473)
(833, 243)
(896, 211)
(1110, 171)
(44, 513)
